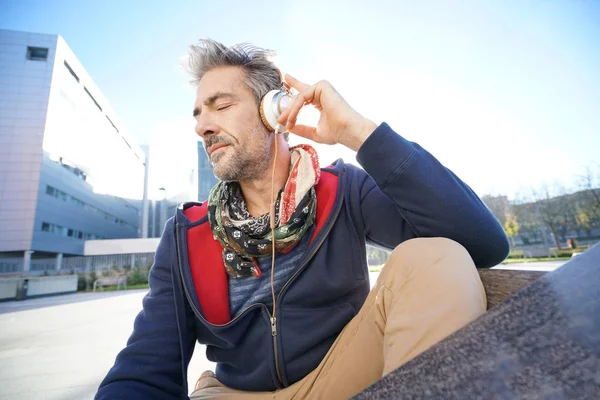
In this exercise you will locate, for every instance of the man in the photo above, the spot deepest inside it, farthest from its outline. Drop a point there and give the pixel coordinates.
(305, 326)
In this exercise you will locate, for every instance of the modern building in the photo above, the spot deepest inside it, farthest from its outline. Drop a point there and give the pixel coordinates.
(206, 177)
(69, 171)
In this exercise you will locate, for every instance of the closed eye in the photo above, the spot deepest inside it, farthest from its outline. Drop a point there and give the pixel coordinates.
(221, 108)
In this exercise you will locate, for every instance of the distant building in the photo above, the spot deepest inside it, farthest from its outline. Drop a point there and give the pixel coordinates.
(206, 178)
(67, 165)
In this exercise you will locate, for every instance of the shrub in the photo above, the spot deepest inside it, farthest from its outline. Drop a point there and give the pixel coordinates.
(137, 276)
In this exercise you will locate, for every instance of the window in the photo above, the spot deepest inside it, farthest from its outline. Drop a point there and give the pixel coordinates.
(50, 190)
(45, 227)
(37, 53)
(113, 125)
(71, 71)
(92, 97)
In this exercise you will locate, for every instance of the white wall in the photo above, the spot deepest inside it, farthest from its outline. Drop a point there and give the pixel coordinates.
(8, 288)
(89, 136)
(24, 91)
(120, 246)
(52, 284)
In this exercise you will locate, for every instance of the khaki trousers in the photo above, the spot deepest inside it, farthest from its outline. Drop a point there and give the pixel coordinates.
(428, 289)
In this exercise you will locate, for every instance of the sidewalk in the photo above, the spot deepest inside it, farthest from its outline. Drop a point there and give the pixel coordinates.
(62, 347)
(64, 351)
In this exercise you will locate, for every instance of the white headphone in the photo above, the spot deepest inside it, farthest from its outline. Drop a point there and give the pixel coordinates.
(271, 107)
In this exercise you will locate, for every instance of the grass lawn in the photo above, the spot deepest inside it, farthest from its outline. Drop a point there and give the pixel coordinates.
(129, 287)
(535, 259)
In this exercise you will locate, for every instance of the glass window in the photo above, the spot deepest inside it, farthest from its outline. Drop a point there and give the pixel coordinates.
(45, 227)
(92, 97)
(71, 71)
(50, 190)
(37, 53)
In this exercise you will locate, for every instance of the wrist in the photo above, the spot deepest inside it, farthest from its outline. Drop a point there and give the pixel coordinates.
(360, 131)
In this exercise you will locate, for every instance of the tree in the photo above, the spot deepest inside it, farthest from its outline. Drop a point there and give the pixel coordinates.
(588, 215)
(552, 210)
(498, 205)
(511, 227)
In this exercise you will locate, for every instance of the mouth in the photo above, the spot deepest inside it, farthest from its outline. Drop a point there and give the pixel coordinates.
(212, 149)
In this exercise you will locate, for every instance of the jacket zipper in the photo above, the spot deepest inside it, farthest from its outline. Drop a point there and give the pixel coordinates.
(199, 315)
(272, 318)
(274, 334)
(312, 254)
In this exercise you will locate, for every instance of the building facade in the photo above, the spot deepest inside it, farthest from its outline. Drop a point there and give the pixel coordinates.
(69, 172)
(206, 177)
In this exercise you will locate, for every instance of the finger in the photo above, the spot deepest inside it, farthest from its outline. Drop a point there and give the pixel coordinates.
(307, 132)
(304, 97)
(295, 83)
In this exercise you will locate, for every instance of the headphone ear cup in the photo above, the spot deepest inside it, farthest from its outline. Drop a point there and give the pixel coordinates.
(265, 111)
(270, 108)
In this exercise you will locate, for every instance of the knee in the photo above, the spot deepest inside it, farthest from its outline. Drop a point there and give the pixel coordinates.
(437, 263)
(436, 247)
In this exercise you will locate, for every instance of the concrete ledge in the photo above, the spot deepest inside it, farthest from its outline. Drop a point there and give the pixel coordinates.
(37, 286)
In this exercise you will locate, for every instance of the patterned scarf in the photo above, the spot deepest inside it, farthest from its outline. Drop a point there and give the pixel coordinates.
(245, 238)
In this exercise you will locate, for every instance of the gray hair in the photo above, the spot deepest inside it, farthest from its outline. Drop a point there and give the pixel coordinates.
(262, 74)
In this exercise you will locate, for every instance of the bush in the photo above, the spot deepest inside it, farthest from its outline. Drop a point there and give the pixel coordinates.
(567, 252)
(137, 276)
(83, 279)
(516, 254)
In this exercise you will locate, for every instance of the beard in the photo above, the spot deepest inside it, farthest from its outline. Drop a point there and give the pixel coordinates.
(244, 162)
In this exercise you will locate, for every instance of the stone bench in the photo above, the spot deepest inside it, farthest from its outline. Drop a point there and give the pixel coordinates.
(541, 342)
(500, 284)
(117, 281)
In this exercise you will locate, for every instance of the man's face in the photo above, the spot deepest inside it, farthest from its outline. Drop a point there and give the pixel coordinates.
(237, 143)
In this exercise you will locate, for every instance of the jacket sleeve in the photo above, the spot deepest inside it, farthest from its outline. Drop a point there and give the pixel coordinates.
(153, 365)
(407, 193)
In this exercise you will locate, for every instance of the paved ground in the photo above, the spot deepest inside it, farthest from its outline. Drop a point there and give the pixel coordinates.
(61, 347)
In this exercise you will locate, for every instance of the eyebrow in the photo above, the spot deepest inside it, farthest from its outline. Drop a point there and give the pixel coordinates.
(212, 99)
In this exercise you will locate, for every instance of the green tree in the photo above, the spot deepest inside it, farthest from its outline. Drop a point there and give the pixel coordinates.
(511, 227)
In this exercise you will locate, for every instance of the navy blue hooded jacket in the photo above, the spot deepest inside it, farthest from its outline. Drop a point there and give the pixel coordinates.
(402, 193)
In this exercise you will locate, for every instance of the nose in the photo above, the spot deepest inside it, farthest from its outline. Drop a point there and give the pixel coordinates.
(205, 126)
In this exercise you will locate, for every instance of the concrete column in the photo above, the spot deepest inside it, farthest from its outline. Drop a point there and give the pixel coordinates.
(88, 271)
(59, 258)
(27, 260)
(132, 262)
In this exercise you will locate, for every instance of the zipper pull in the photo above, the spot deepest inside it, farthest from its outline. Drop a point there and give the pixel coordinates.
(273, 326)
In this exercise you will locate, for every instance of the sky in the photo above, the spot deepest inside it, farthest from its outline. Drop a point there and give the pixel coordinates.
(506, 94)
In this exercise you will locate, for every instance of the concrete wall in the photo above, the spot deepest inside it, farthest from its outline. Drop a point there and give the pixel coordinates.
(46, 285)
(24, 93)
(8, 288)
(38, 286)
